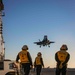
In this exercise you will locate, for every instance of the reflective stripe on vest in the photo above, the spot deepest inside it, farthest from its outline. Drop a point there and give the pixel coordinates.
(38, 61)
(62, 56)
(23, 57)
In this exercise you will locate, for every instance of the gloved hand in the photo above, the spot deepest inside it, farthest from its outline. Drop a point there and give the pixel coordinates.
(34, 66)
(43, 66)
(31, 66)
(17, 62)
(64, 64)
(58, 62)
(60, 66)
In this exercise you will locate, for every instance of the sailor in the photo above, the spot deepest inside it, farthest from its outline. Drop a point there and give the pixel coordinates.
(38, 63)
(62, 57)
(25, 59)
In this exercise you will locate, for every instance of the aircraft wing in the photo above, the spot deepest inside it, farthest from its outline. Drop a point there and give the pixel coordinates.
(52, 42)
(38, 43)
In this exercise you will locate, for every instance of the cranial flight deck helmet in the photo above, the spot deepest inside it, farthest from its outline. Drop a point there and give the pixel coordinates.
(39, 54)
(25, 47)
(64, 47)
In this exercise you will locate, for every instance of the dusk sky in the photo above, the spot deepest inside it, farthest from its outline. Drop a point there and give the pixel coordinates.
(27, 21)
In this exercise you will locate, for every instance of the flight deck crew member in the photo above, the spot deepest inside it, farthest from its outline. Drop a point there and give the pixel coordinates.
(38, 63)
(62, 57)
(25, 59)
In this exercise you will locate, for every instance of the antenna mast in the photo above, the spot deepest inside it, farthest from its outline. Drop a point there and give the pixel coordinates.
(2, 49)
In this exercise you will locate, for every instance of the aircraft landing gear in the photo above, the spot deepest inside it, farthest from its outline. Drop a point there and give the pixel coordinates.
(40, 46)
(48, 46)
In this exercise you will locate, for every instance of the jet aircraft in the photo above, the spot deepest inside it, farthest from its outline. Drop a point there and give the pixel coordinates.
(44, 42)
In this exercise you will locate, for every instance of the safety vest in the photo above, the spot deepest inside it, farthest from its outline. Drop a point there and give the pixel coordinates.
(38, 61)
(23, 57)
(62, 56)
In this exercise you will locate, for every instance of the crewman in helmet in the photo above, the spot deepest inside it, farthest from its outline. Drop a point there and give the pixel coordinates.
(62, 57)
(38, 63)
(25, 59)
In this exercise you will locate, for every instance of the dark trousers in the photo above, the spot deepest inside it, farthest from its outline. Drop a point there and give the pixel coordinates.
(62, 71)
(38, 69)
(26, 67)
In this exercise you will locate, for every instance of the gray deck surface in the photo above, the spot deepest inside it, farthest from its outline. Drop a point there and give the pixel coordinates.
(51, 71)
